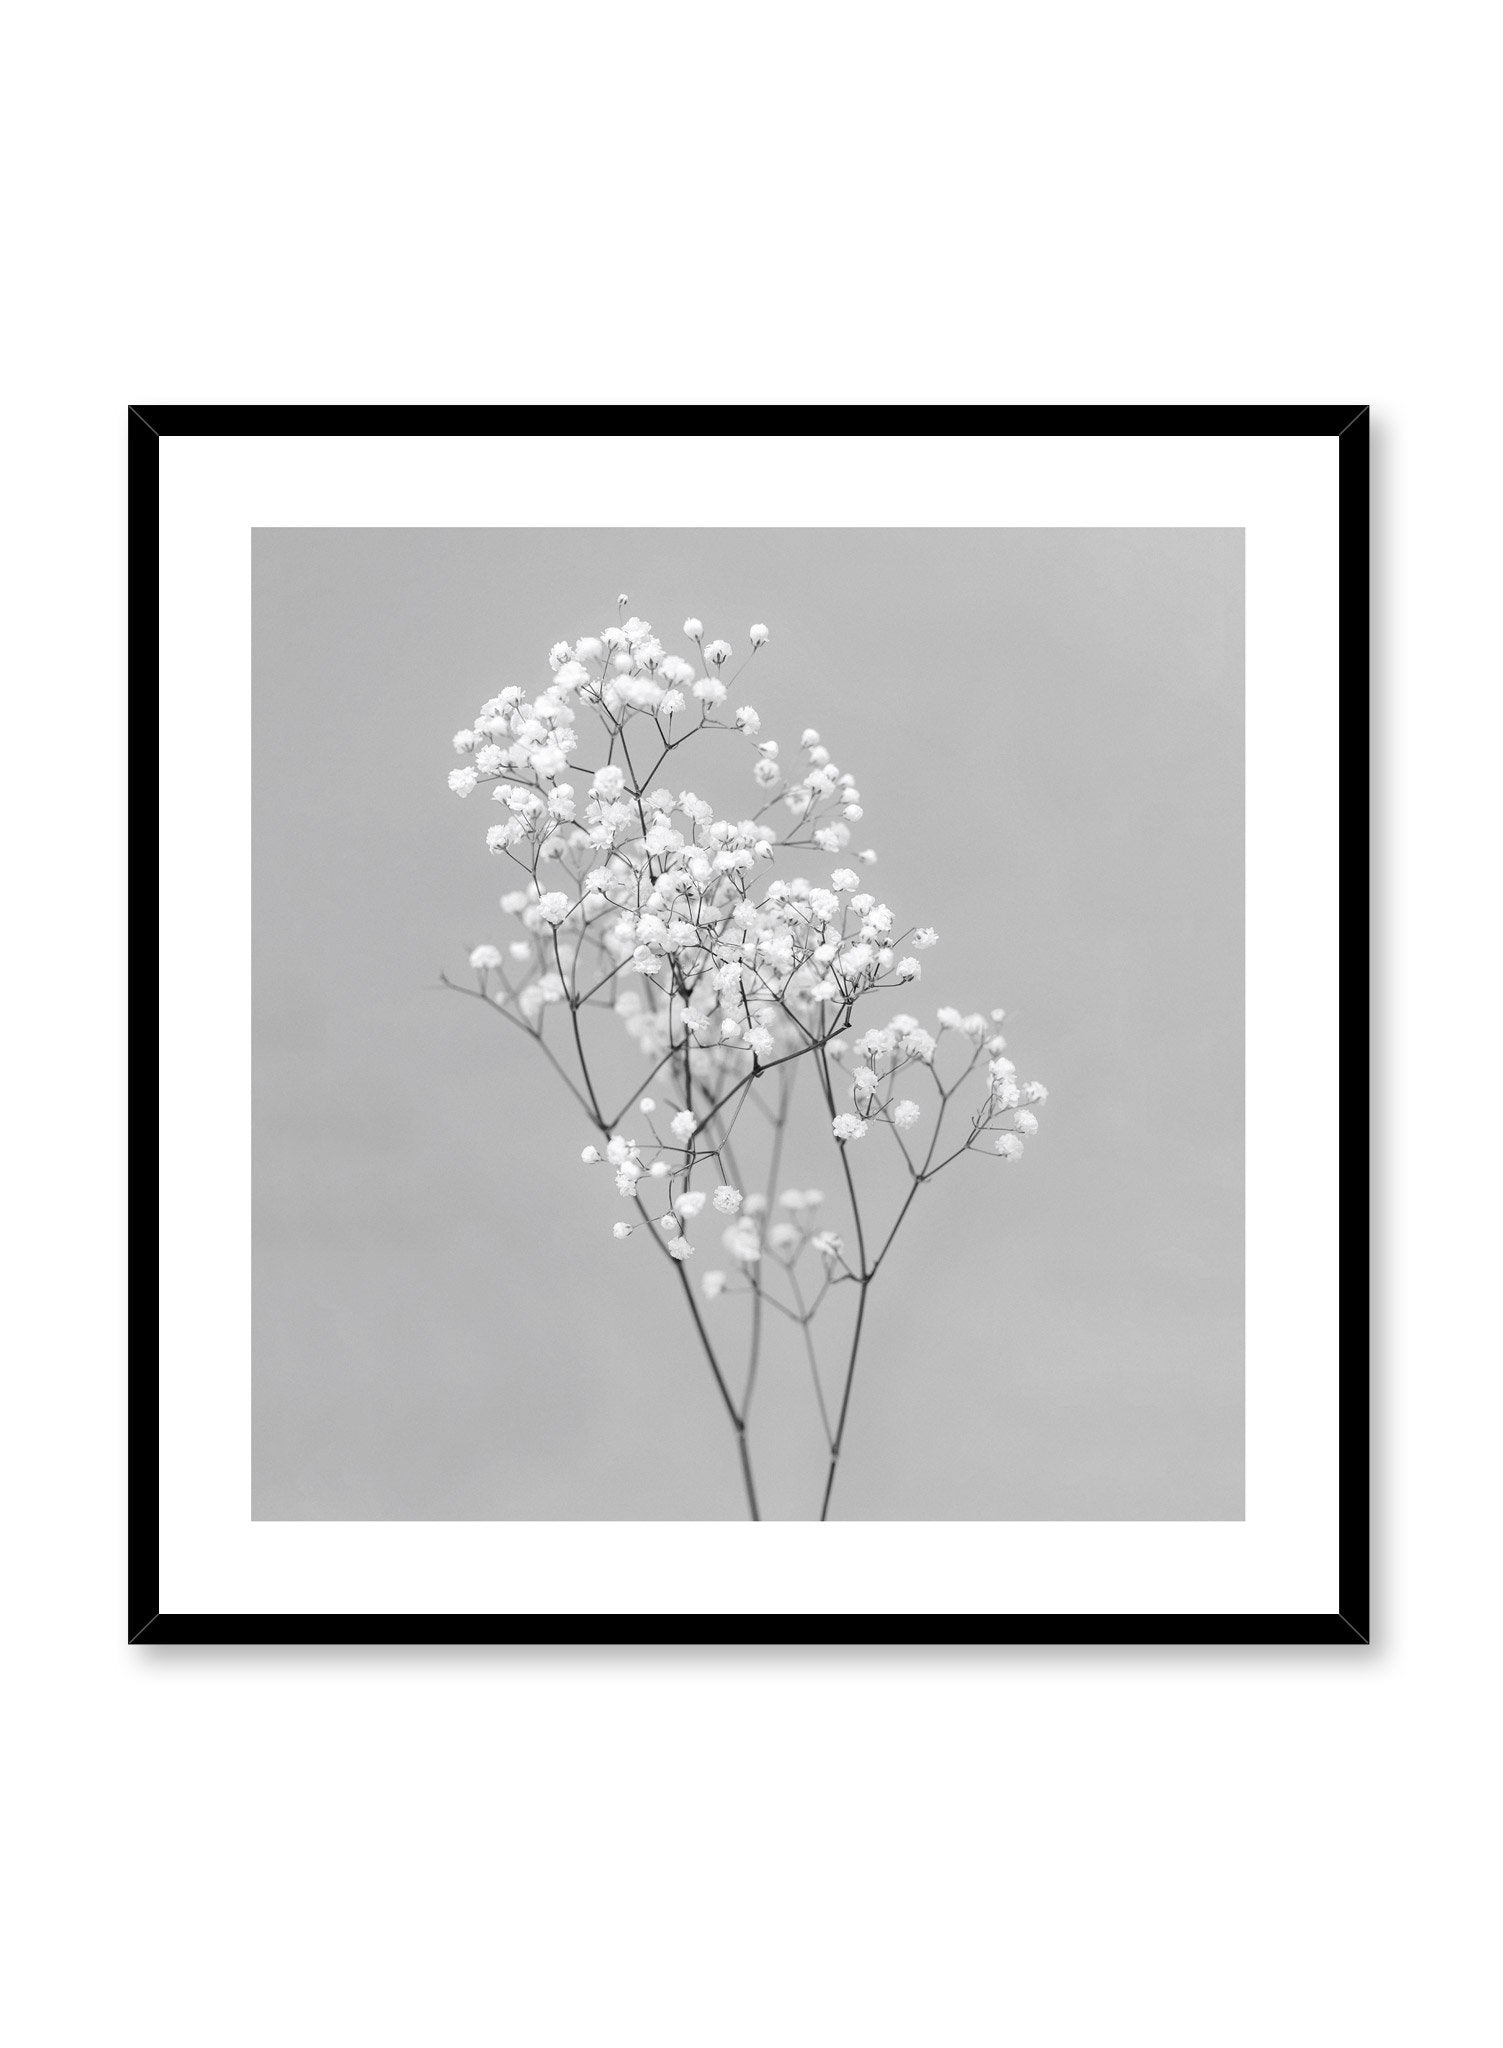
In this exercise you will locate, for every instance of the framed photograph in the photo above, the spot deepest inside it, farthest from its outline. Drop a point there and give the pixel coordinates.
(750, 1025)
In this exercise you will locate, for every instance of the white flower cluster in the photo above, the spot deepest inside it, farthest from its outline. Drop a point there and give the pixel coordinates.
(755, 1235)
(638, 895)
(653, 895)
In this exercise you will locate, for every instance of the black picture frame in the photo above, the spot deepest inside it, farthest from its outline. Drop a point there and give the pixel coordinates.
(148, 425)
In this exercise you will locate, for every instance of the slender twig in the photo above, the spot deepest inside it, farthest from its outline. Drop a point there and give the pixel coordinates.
(737, 1421)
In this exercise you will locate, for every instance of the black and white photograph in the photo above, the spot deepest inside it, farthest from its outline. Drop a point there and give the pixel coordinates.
(835, 1103)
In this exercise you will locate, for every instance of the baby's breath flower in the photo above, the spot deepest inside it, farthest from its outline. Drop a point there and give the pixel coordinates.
(743, 1242)
(673, 929)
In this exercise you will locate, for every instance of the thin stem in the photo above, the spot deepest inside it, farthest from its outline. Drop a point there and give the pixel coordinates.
(845, 1402)
(865, 1279)
(746, 1473)
(784, 1086)
(804, 1318)
(737, 1421)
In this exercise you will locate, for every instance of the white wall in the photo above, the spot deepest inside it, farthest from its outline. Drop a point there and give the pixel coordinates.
(1162, 202)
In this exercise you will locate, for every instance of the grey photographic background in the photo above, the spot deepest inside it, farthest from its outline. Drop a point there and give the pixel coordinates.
(1047, 730)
